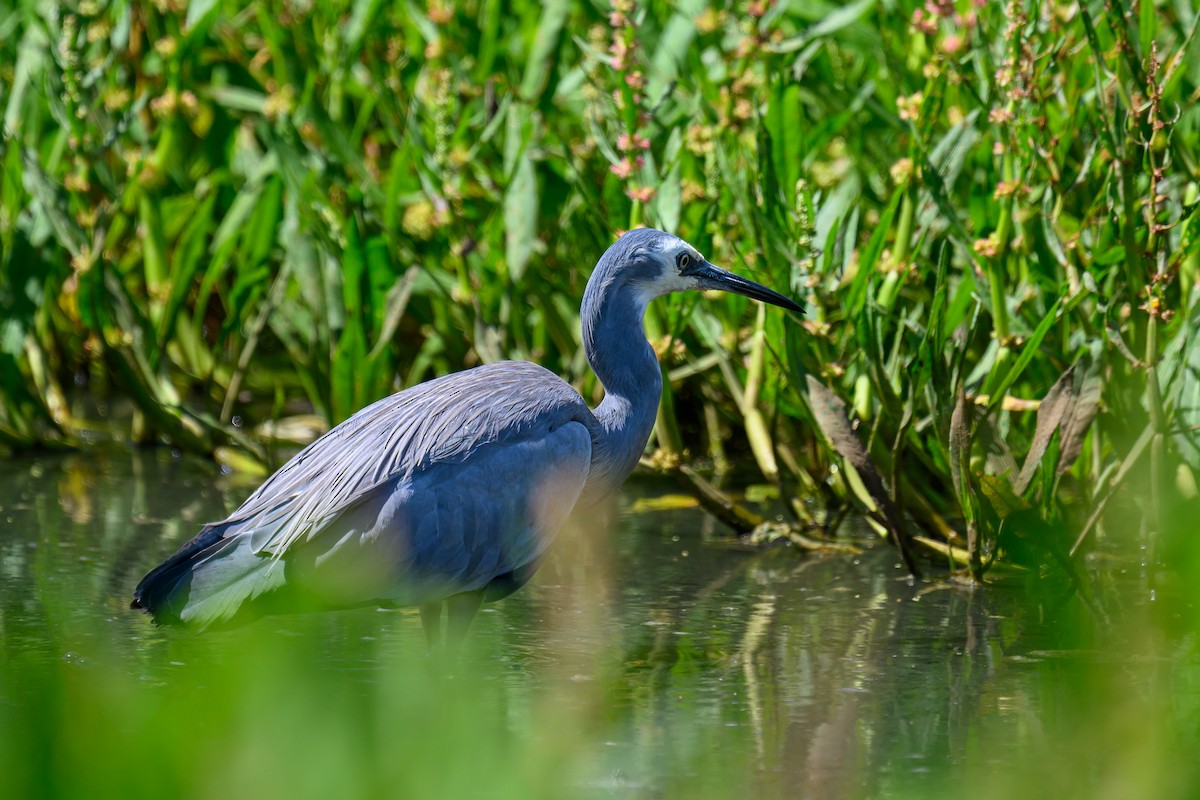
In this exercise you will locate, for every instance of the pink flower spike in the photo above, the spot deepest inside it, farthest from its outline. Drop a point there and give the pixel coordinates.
(952, 44)
(622, 169)
(642, 194)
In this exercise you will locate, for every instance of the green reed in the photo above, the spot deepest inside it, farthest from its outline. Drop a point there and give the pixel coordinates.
(218, 211)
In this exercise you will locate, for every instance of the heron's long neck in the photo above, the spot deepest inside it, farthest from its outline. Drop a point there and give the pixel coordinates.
(615, 343)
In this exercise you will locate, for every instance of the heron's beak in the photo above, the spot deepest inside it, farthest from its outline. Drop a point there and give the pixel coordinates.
(710, 277)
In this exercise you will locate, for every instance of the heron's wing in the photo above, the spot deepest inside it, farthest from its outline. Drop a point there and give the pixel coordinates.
(449, 528)
(439, 489)
(433, 428)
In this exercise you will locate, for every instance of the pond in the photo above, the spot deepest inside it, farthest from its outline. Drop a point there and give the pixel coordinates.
(650, 657)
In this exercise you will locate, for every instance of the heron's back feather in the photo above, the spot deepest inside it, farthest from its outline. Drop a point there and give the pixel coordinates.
(442, 421)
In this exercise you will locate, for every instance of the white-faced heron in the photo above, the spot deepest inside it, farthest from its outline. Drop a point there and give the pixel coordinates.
(450, 491)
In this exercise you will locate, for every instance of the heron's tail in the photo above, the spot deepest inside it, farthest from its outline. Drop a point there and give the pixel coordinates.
(212, 580)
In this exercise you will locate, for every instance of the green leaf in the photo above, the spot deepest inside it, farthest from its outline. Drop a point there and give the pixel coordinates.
(520, 199)
(670, 53)
(833, 22)
(948, 156)
(154, 243)
(197, 11)
(32, 55)
(344, 376)
(362, 15)
(1147, 24)
(261, 232)
(669, 199)
(1000, 494)
(870, 254)
(235, 98)
(545, 44)
(189, 250)
(1028, 352)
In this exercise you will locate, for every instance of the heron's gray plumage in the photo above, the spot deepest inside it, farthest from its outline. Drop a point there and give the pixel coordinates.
(453, 486)
(444, 421)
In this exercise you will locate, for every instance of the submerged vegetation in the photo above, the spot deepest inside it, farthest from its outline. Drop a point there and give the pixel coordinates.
(222, 212)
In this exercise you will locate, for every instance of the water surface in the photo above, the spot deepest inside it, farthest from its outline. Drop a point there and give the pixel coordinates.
(650, 657)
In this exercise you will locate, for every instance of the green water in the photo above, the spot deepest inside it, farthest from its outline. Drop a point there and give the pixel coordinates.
(648, 658)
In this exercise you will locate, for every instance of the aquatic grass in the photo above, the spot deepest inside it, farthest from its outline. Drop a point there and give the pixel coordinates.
(224, 213)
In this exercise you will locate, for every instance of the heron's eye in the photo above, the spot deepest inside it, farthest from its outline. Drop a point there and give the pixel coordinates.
(684, 261)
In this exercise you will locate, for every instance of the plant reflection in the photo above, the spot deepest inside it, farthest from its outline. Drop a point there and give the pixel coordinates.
(651, 656)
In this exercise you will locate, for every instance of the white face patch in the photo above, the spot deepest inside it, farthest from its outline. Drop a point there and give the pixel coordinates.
(666, 252)
(669, 280)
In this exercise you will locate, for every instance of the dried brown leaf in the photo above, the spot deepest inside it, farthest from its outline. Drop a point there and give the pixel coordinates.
(1078, 421)
(830, 414)
(1050, 415)
(960, 447)
(1000, 460)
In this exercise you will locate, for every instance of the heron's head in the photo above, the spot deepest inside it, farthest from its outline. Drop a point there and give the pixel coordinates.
(654, 263)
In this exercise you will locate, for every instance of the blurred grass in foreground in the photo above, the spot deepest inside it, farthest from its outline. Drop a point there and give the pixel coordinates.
(276, 721)
(649, 661)
(292, 717)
